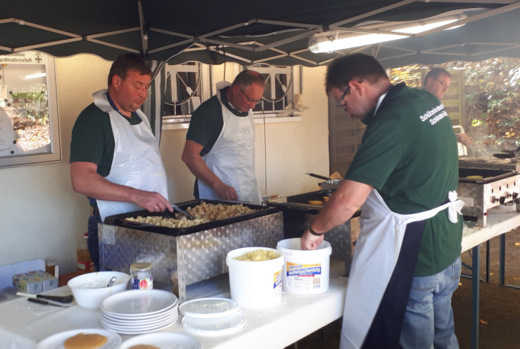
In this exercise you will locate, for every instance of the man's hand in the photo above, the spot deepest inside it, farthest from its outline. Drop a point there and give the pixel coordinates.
(226, 192)
(199, 169)
(310, 242)
(151, 201)
(463, 138)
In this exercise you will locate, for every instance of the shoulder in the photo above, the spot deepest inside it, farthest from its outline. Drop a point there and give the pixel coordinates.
(93, 114)
(209, 107)
(92, 118)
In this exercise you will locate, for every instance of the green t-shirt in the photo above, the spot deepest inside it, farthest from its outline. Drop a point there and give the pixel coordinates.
(409, 154)
(93, 139)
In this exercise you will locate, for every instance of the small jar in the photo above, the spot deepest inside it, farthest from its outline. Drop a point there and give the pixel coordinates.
(141, 274)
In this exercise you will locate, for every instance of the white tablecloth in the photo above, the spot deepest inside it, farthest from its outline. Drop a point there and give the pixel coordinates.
(24, 324)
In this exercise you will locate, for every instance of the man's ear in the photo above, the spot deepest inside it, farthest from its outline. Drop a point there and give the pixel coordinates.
(356, 86)
(116, 81)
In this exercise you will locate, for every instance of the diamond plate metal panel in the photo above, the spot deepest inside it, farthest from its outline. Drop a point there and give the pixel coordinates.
(186, 259)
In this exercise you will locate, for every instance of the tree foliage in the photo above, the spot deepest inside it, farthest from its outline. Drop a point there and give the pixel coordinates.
(492, 97)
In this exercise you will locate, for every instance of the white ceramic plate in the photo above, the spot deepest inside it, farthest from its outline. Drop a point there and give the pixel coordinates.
(126, 330)
(150, 325)
(208, 307)
(56, 341)
(218, 326)
(137, 321)
(135, 303)
(164, 340)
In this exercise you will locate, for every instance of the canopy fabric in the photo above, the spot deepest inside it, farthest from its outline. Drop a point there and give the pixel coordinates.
(213, 32)
(496, 36)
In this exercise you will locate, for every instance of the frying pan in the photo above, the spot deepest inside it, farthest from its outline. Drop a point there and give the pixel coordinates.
(506, 154)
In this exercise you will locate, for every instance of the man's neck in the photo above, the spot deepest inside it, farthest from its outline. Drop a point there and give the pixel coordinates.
(116, 106)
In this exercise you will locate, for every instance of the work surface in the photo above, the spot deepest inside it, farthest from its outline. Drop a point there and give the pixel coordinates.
(24, 324)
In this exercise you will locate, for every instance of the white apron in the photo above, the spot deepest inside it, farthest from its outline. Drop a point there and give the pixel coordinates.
(232, 158)
(375, 257)
(137, 162)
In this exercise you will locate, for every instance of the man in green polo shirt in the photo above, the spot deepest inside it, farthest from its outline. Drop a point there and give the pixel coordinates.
(114, 156)
(219, 148)
(404, 176)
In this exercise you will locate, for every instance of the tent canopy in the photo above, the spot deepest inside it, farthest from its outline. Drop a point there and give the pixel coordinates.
(213, 32)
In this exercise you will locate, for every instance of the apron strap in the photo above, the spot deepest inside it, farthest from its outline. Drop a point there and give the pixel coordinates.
(386, 327)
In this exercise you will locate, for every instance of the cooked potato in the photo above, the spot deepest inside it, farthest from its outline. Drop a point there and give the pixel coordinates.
(258, 255)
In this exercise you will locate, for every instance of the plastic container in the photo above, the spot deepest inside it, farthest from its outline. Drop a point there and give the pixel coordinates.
(305, 271)
(89, 290)
(141, 274)
(255, 284)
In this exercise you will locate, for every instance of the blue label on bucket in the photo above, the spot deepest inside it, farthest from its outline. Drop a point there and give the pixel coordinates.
(297, 269)
(277, 279)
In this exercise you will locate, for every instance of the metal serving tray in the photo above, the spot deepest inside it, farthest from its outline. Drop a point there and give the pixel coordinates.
(121, 219)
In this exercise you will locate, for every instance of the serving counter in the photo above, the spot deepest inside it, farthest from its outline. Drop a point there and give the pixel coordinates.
(24, 324)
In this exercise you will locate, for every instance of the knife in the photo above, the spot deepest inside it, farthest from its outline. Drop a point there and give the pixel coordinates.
(61, 299)
(44, 302)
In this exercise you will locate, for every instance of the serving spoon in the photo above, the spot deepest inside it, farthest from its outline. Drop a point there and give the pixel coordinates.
(111, 281)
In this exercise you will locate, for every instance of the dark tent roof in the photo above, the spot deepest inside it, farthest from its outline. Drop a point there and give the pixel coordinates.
(269, 31)
(496, 36)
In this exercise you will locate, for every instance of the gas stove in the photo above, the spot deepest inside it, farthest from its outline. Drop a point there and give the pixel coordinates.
(484, 188)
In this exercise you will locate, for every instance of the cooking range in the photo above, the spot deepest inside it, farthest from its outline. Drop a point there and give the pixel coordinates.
(487, 184)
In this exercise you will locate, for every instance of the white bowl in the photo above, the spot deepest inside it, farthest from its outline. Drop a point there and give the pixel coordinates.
(89, 290)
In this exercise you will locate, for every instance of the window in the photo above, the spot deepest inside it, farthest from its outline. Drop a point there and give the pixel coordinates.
(182, 92)
(279, 89)
(188, 85)
(29, 129)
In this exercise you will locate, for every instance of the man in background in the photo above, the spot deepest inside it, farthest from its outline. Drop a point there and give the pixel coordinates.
(114, 157)
(437, 82)
(219, 148)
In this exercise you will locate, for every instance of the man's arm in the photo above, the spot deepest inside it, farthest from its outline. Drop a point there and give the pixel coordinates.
(192, 159)
(85, 180)
(341, 206)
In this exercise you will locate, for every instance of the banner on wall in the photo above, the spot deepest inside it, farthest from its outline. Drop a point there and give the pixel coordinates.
(29, 57)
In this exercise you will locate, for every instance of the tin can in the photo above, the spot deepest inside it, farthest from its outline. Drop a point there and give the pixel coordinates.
(141, 274)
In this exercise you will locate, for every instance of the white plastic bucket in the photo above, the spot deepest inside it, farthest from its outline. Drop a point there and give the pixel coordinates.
(305, 271)
(255, 284)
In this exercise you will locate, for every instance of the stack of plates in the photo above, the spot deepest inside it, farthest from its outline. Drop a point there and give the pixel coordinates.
(139, 311)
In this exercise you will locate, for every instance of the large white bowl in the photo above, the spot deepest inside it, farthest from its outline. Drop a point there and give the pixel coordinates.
(90, 289)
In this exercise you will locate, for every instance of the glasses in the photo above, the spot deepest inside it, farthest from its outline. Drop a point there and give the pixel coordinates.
(345, 93)
(250, 100)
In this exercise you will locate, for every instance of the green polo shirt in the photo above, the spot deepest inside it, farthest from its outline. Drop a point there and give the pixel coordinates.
(409, 154)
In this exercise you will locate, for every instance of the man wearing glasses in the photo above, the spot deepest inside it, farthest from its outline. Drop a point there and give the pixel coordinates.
(404, 177)
(219, 148)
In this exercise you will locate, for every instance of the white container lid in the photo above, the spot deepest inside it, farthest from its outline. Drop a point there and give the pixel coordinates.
(208, 307)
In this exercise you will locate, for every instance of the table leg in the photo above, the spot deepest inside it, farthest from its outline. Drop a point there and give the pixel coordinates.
(475, 296)
(487, 261)
(502, 261)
